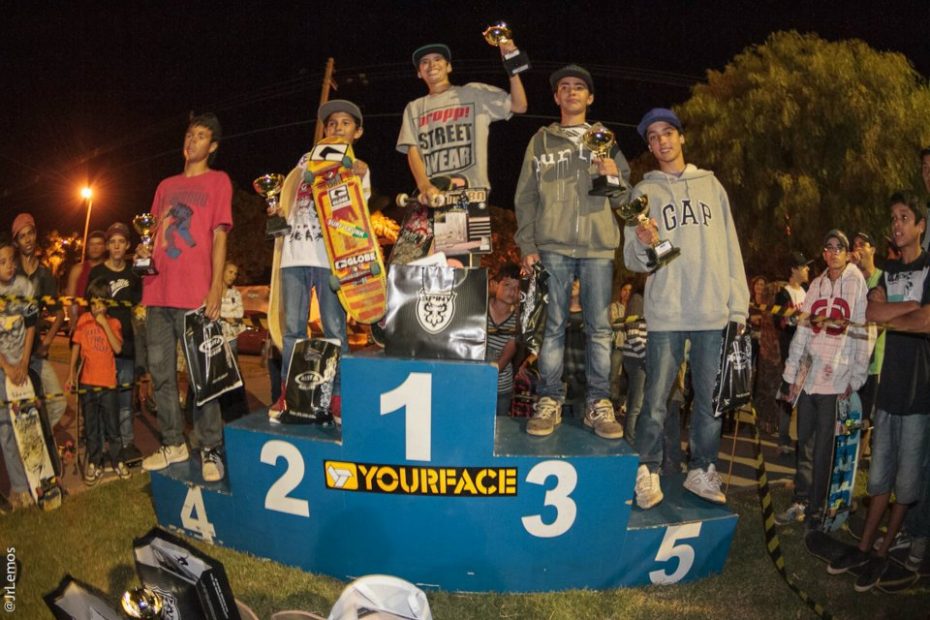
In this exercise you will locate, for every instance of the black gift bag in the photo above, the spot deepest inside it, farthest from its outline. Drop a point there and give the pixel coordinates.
(733, 387)
(211, 365)
(534, 301)
(73, 600)
(310, 379)
(192, 584)
(436, 312)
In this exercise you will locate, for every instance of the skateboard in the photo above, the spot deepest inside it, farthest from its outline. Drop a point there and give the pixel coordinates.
(845, 459)
(358, 275)
(824, 547)
(36, 444)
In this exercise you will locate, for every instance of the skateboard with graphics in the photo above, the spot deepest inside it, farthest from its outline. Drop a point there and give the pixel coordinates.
(358, 275)
(845, 458)
(36, 445)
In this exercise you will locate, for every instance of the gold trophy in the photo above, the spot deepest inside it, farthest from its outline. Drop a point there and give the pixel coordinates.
(268, 187)
(600, 141)
(515, 61)
(145, 223)
(142, 603)
(634, 213)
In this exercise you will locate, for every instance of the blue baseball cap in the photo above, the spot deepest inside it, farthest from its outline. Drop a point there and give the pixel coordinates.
(431, 48)
(656, 115)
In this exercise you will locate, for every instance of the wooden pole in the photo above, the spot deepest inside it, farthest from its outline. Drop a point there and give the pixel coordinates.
(324, 97)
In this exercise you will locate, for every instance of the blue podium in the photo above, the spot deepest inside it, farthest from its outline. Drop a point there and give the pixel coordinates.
(427, 484)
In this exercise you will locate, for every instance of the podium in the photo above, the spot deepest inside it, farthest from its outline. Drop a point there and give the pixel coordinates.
(425, 483)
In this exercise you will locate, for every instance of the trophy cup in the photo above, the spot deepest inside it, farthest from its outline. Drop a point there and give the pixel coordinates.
(514, 62)
(600, 140)
(634, 213)
(142, 603)
(144, 223)
(268, 187)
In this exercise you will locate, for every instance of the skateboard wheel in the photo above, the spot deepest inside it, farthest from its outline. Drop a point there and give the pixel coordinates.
(375, 269)
(401, 200)
(308, 177)
(333, 283)
(347, 162)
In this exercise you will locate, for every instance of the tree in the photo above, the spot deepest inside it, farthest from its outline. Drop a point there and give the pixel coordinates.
(808, 135)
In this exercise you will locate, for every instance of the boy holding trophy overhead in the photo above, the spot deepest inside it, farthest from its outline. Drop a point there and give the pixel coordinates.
(572, 233)
(691, 298)
(194, 211)
(446, 132)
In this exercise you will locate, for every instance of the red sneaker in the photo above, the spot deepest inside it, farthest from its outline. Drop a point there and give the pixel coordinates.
(335, 407)
(276, 410)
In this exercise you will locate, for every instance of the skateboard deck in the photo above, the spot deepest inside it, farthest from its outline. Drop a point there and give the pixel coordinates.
(358, 275)
(824, 547)
(36, 446)
(845, 460)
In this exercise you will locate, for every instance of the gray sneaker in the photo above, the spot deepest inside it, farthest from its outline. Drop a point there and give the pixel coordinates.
(165, 456)
(794, 514)
(547, 415)
(212, 469)
(648, 490)
(705, 484)
(901, 540)
(600, 417)
(916, 554)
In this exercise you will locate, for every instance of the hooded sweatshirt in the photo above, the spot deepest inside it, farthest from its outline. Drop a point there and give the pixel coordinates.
(553, 208)
(704, 287)
(839, 355)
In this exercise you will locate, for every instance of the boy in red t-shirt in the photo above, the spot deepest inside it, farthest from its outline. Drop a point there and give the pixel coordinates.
(96, 341)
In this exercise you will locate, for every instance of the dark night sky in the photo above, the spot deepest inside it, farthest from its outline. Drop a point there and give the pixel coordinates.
(101, 90)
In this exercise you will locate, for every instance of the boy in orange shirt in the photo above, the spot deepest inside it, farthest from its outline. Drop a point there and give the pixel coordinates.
(97, 340)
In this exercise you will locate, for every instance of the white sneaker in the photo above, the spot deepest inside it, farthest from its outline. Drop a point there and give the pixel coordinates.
(705, 484)
(547, 415)
(600, 417)
(212, 468)
(165, 456)
(648, 490)
(794, 514)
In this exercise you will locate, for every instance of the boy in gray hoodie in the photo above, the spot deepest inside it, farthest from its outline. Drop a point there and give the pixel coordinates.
(572, 234)
(692, 297)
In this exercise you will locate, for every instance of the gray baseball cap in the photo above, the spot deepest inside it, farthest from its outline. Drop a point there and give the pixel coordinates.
(339, 105)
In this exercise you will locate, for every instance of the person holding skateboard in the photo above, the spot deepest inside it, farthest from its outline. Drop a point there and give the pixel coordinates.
(901, 432)
(573, 234)
(194, 211)
(17, 332)
(300, 264)
(445, 133)
(692, 298)
(839, 356)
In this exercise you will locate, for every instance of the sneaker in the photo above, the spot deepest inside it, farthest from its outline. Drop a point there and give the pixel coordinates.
(600, 416)
(92, 474)
(278, 409)
(547, 414)
(794, 514)
(705, 484)
(165, 456)
(212, 469)
(871, 574)
(916, 555)
(849, 559)
(902, 540)
(648, 490)
(122, 470)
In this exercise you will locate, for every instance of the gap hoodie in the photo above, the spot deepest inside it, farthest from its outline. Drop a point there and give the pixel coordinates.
(553, 208)
(839, 355)
(705, 286)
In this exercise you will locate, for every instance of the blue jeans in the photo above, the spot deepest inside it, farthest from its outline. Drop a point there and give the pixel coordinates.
(664, 353)
(125, 373)
(296, 283)
(101, 425)
(14, 464)
(899, 447)
(596, 276)
(635, 369)
(164, 328)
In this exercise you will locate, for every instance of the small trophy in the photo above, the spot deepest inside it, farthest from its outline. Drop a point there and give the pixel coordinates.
(600, 140)
(268, 187)
(634, 213)
(142, 603)
(144, 223)
(514, 62)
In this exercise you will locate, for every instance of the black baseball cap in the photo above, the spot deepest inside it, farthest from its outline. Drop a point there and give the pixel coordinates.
(798, 260)
(572, 71)
(839, 235)
(865, 237)
(431, 48)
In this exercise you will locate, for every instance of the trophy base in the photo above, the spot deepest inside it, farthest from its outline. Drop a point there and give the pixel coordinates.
(144, 267)
(605, 186)
(516, 62)
(660, 254)
(276, 227)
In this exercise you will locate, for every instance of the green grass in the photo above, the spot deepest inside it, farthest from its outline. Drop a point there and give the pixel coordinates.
(91, 537)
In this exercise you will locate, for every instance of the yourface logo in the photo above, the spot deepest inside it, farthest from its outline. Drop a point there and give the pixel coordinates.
(435, 309)
(212, 347)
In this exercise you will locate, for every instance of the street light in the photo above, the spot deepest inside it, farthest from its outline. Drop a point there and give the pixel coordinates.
(88, 196)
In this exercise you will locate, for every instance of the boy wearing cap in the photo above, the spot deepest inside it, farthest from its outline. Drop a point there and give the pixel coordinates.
(573, 234)
(692, 297)
(446, 132)
(126, 289)
(194, 211)
(790, 298)
(839, 355)
(901, 431)
(44, 284)
(300, 263)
